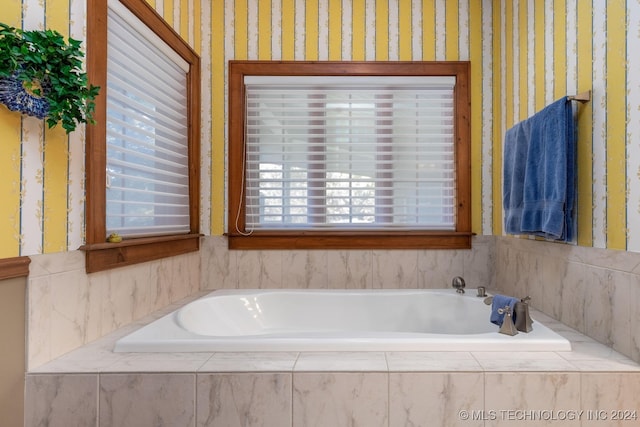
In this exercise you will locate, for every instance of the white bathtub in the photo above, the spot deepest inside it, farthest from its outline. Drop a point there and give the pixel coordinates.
(335, 320)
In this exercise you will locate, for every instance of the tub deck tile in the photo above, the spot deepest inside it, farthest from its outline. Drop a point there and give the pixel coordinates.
(357, 361)
(250, 362)
(530, 361)
(98, 357)
(432, 361)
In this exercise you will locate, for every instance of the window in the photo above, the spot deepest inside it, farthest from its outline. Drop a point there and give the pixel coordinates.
(349, 155)
(147, 138)
(143, 152)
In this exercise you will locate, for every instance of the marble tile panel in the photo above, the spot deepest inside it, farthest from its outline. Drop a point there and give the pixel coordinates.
(515, 398)
(522, 361)
(478, 263)
(244, 400)
(340, 399)
(634, 317)
(554, 281)
(435, 399)
(165, 284)
(349, 269)
(59, 262)
(590, 350)
(529, 280)
(159, 362)
(606, 258)
(194, 269)
(439, 361)
(303, 269)
(395, 269)
(219, 266)
(61, 400)
(259, 269)
(179, 276)
(607, 308)
(250, 362)
(611, 399)
(133, 400)
(38, 321)
(606, 365)
(436, 268)
(94, 310)
(504, 267)
(118, 287)
(65, 365)
(94, 357)
(368, 361)
(70, 312)
(521, 276)
(573, 290)
(621, 304)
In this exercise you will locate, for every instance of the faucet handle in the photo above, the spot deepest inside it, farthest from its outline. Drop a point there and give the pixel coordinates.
(458, 284)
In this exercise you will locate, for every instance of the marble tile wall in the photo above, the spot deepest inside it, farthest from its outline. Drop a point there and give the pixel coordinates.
(67, 308)
(94, 386)
(595, 291)
(334, 399)
(342, 269)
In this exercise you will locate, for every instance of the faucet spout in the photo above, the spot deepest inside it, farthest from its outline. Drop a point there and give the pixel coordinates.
(458, 284)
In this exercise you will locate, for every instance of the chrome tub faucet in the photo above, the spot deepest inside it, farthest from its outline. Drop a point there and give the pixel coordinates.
(458, 284)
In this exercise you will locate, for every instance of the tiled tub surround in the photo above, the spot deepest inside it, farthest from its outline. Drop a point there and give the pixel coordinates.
(595, 291)
(68, 308)
(94, 386)
(344, 269)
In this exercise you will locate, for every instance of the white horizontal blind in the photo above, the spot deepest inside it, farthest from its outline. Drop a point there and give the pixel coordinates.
(147, 143)
(350, 152)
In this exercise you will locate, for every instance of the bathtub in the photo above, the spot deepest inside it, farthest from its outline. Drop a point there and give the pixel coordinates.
(335, 320)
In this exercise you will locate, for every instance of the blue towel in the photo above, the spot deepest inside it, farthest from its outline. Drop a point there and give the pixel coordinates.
(516, 146)
(539, 174)
(501, 301)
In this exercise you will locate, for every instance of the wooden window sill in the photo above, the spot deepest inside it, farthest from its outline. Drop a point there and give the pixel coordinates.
(104, 256)
(351, 240)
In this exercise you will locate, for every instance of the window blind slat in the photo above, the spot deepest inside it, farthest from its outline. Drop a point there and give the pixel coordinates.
(147, 144)
(145, 88)
(347, 152)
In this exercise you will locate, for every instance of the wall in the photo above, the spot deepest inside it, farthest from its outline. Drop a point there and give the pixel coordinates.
(553, 48)
(42, 189)
(595, 291)
(12, 353)
(356, 30)
(342, 269)
(524, 55)
(43, 200)
(68, 308)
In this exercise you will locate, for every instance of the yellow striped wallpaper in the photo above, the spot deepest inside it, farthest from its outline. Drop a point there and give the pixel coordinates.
(523, 53)
(42, 185)
(573, 46)
(346, 30)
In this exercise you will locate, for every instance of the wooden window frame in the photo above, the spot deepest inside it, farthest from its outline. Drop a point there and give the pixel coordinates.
(101, 255)
(460, 238)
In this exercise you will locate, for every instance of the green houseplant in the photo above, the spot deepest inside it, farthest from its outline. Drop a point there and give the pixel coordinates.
(41, 75)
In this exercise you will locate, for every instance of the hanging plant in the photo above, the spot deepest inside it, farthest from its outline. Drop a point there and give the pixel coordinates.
(41, 75)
